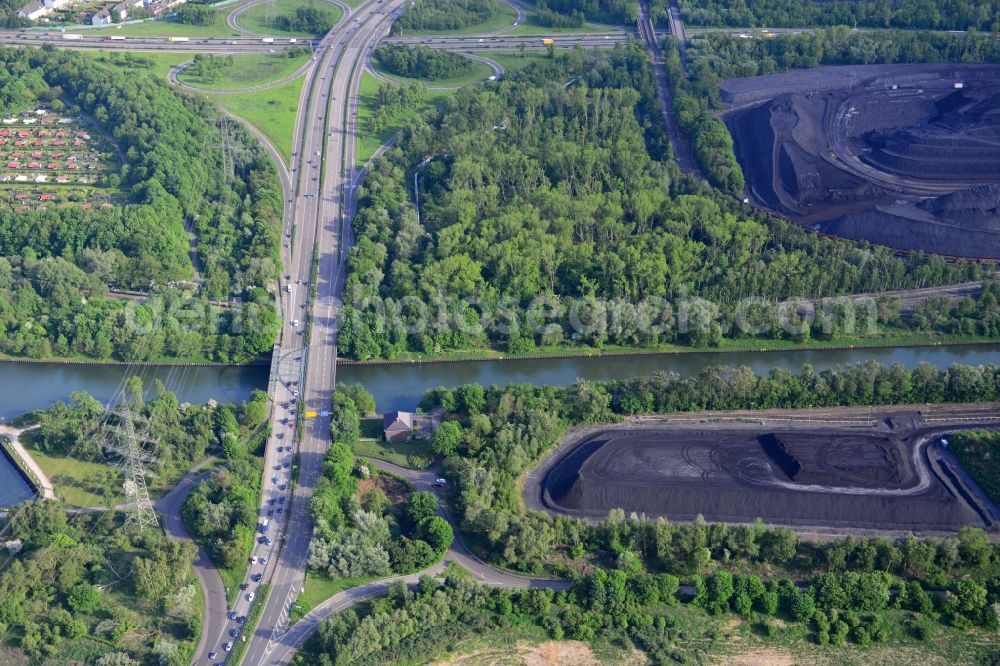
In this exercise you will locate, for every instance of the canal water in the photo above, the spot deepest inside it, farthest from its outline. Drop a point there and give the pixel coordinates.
(14, 489)
(27, 386)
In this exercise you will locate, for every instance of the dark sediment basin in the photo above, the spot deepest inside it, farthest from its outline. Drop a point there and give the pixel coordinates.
(818, 478)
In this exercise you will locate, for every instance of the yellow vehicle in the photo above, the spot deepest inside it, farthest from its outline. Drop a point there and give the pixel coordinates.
(310, 414)
(548, 41)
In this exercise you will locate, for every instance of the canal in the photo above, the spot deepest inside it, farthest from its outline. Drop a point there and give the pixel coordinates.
(27, 386)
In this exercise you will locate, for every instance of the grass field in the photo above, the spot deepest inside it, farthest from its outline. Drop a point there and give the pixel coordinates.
(157, 64)
(532, 27)
(369, 142)
(512, 60)
(255, 18)
(480, 71)
(272, 111)
(398, 453)
(77, 481)
(249, 70)
(502, 20)
(171, 28)
(317, 588)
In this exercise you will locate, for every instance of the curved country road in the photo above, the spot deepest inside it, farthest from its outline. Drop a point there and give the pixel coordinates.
(214, 592)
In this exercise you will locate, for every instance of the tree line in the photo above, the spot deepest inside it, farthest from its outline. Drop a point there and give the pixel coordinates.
(906, 14)
(554, 19)
(714, 57)
(442, 15)
(624, 605)
(194, 13)
(617, 12)
(311, 20)
(173, 175)
(421, 62)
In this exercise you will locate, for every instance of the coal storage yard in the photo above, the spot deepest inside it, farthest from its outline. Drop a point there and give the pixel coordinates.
(906, 156)
(871, 478)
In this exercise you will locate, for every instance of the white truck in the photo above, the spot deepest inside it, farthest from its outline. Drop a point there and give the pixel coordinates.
(175, 40)
(72, 36)
(267, 40)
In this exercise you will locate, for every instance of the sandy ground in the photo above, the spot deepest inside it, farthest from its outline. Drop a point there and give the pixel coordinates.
(551, 653)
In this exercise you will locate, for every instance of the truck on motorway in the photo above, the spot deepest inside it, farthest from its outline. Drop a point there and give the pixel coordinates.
(174, 40)
(267, 40)
(263, 526)
(292, 40)
(548, 41)
(115, 38)
(72, 35)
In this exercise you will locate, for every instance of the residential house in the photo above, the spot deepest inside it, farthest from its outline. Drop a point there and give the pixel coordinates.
(102, 17)
(34, 10)
(397, 426)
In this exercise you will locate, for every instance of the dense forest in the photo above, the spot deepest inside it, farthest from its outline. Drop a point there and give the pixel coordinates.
(84, 589)
(439, 15)
(625, 605)
(909, 14)
(714, 57)
(421, 62)
(174, 177)
(556, 184)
